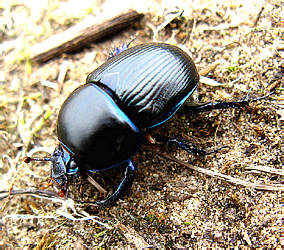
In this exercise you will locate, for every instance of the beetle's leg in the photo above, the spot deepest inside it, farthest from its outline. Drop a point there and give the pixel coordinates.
(164, 140)
(187, 109)
(119, 50)
(123, 188)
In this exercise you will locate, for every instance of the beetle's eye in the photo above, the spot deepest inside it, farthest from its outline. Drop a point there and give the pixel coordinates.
(72, 167)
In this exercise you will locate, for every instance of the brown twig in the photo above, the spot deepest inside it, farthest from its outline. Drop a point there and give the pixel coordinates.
(84, 33)
(258, 16)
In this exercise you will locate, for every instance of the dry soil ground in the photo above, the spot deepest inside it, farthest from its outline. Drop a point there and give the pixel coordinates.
(169, 205)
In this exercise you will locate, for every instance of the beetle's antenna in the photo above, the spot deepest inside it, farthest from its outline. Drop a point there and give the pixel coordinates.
(28, 159)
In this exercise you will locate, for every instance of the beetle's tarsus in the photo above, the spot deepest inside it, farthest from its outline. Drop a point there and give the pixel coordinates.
(123, 188)
(216, 150)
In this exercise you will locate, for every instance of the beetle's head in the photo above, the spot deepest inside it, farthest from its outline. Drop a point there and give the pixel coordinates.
(63, 168)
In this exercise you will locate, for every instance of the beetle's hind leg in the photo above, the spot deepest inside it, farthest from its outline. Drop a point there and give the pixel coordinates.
(195, 109)
(123, 188)
(180, 143)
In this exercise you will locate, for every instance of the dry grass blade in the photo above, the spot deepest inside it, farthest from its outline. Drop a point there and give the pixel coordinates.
(43, 193)
(209, 68)
(94, 183)
(266, 169)
(168, 19)
(233, 180)
(132, 236)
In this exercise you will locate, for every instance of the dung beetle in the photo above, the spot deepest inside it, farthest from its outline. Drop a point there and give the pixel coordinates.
(100, 124)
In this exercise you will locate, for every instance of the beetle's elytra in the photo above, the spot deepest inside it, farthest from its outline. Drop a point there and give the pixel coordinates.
(151, 81)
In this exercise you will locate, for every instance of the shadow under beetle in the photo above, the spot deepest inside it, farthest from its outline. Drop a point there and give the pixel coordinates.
(99, 125)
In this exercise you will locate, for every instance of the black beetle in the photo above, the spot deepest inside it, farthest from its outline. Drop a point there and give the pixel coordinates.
(99, 125)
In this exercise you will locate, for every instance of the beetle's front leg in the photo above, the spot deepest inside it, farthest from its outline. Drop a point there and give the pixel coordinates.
(180, 143)
(123, 188)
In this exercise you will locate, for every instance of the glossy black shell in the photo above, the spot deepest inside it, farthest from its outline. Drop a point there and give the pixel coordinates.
(94, 129)
(152, 80)
(141, 87)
